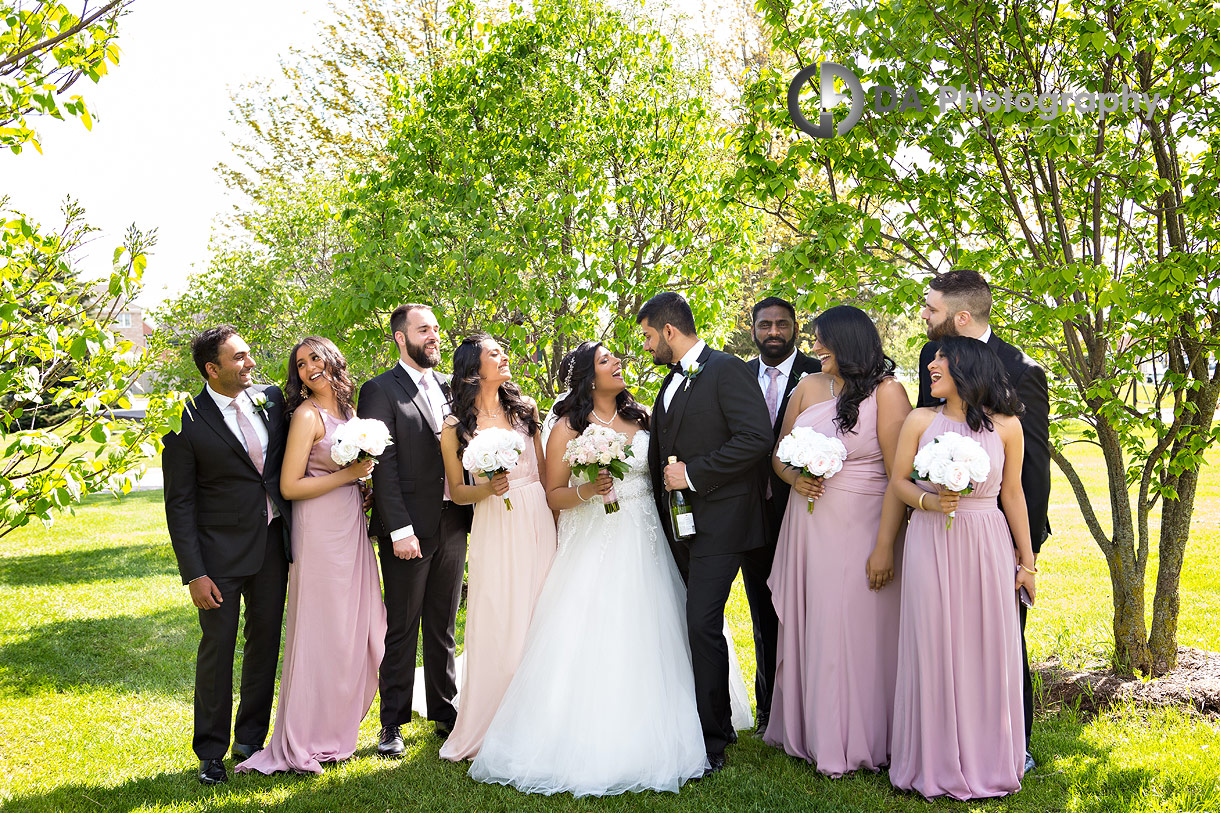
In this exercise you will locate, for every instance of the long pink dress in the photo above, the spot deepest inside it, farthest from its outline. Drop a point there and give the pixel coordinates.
(959, 722)
(838, 641)
(335, 628)
(510, 555)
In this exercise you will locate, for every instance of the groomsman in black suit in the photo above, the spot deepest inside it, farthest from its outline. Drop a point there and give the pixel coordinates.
(958, 303)
(778, 367)
(229, 527)
(711, 416)
(421, 532)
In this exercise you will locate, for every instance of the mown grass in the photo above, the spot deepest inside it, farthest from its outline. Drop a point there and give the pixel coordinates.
(97, 643)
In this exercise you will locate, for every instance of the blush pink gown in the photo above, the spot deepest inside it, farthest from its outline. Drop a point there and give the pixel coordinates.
(335, 627)
(510, 555)
(838, 641)
(959, 719)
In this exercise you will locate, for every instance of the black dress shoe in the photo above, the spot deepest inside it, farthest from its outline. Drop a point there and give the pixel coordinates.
(391, 742)
(760, 725)
(212, 772)
(443, 730)
(715, 764)
(243, 752)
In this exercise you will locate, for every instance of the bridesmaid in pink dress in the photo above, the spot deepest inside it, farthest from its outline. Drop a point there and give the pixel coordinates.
(838, 640)
(959, 722)
(510, 551)
(336, 621)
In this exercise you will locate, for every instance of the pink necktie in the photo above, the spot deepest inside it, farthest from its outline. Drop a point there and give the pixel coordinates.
(773, 392)
(253, 447)
(772, 405)
(437, 416)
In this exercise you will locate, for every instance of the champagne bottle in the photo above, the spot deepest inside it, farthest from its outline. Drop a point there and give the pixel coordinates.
(681, 514)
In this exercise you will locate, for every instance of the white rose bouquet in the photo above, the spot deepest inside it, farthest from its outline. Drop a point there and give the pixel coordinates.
(358, 439)
(812, 453)
(954, 462)
(597, 448)
(492, 451)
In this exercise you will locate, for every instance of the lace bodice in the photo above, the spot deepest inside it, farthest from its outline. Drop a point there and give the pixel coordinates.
(634, 493)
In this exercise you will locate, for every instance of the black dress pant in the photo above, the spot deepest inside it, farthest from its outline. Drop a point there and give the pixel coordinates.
(755, 570)
(1028, 689)
(423, 592)
(708, 582)
(263, 596)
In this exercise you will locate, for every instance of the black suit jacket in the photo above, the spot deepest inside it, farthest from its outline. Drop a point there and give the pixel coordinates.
(801, 365)
(717, 426)
(1029, 381)
(215, 500)
(409, 479)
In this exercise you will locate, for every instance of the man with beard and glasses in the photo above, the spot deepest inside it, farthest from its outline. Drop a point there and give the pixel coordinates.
(959, 304)
(421, 533)
(779, 366)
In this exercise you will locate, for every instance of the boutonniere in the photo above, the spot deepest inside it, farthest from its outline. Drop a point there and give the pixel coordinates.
(691, 373)
(261, 403)
(801, 377)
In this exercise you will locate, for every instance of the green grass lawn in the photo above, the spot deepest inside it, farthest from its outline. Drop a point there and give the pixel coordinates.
(97, 641)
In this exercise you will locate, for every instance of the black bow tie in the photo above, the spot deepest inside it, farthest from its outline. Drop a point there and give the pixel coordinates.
(676, 367)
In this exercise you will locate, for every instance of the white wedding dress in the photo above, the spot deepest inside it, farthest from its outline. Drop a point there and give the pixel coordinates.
(604, 699)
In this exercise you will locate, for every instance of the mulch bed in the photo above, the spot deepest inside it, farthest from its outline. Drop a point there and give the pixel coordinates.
(1194, 683)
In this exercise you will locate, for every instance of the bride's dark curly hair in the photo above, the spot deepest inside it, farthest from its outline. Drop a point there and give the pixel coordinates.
(849, 334)
(981, 381)
(467, 359)
(296, 390)
(578, 405)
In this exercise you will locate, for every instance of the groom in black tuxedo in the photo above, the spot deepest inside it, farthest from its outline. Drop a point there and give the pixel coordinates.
(711, 416)
(778, 368)
(421, 533)
(229, 527)
(958, 303)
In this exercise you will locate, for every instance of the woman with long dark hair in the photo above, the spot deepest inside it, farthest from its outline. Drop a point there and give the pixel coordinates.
(510, 550)
(959, 722)
(335, 619)
(604, 699)
(838, 640)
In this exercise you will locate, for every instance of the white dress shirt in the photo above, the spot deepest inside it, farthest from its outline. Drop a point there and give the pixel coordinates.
(781, 381)
(440, 410)
(688, 361)
(986, 335)
(228, 411)
(436, 398)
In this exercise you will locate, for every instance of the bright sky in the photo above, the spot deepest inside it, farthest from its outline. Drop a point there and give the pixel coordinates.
(158, 130)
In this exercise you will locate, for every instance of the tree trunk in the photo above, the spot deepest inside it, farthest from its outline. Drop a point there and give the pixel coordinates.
(1130, 633)
(1175, 533)
(1175, 530)
(1126, 568)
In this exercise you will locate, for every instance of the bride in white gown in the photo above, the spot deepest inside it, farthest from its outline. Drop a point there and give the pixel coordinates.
(603, 701)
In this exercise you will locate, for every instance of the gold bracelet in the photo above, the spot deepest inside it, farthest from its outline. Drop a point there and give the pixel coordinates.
(1029, 570)
(922, 494)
